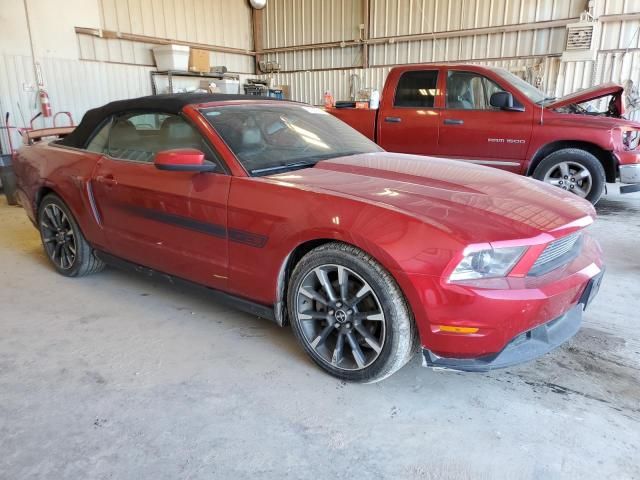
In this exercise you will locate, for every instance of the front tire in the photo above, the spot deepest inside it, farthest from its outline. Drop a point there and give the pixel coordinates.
(349, 314)
(574, 170)
(63, 242)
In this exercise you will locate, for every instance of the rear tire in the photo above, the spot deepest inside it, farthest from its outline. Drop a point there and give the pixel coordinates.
(349, 314)
(63, 242)
(574, 170)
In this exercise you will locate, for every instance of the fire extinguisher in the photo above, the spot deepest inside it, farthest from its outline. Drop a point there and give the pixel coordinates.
(45, 106)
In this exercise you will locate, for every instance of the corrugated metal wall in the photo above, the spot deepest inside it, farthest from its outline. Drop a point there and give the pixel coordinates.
(139, 53)
(404, 17)
(112, 69)
(72, 86)
(309, 86)
(531, 46)
(532, 49)
(285, 26)
(618, 58)
(213, 22)
(303, 22)
(410, 17)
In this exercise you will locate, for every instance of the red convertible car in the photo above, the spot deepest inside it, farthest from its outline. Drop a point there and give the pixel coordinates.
(288, 213)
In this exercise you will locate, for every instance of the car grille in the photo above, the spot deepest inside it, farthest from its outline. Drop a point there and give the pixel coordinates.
(557, 253)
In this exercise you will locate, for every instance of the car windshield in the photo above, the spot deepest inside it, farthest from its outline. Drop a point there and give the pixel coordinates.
(274, 138)
(531, 92)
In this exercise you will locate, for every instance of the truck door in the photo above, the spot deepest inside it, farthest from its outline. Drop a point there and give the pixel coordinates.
(472, 130)
(409, 122)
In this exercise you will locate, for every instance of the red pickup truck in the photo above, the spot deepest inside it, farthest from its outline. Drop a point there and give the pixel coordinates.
(490, 116)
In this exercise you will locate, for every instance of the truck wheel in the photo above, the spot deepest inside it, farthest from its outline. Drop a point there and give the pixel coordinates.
(350, 315)
(63, 242)
(574, 170)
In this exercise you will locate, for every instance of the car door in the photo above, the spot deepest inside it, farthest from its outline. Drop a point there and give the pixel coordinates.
(471, 129)
(410, 123)
(171, 221)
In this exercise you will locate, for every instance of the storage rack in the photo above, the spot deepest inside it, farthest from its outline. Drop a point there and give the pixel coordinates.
(177, 73)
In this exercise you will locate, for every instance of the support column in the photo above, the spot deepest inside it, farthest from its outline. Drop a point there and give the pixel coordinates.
(257, 18)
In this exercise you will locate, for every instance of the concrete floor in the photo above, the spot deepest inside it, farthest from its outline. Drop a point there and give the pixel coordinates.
(115, 376)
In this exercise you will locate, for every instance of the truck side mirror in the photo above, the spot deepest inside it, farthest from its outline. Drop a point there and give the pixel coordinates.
(505, 101)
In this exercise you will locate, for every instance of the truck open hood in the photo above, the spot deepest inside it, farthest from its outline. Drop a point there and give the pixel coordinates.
(469, 201)
(588, 94)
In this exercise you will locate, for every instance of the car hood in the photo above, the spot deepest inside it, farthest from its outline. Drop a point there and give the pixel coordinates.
(586, 95)
(471, 202)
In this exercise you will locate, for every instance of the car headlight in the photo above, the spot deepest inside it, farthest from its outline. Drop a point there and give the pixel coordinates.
(489, 263)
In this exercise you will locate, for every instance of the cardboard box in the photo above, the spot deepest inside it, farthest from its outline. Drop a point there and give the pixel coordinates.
(286, 91)
(199, 61)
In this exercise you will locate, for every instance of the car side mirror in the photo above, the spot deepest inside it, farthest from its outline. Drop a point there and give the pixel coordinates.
(182, 160)
(505, 101)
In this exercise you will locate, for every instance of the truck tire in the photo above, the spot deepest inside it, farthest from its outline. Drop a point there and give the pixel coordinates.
(349, 314)
(63, 242)
(574, 170)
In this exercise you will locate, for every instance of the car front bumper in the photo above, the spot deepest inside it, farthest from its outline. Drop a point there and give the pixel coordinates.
(630, 173)
(528, 345)
(498, 311)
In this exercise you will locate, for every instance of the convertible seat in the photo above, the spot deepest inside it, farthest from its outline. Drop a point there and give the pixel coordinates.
(126, 142)
(176, 133)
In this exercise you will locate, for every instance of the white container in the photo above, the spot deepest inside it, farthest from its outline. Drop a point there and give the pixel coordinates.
(374, 102)
(172, 57)
(227, 85)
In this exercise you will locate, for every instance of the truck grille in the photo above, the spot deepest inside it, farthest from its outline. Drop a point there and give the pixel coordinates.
(557, 253)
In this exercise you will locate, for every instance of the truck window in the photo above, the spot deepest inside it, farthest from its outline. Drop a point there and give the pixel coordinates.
(417, 89)
(469, 91)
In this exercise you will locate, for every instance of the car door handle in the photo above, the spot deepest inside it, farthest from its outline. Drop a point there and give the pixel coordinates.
(108, 180)
(392, 119)
(453, 121)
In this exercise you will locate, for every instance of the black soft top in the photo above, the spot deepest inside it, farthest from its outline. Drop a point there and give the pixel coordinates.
(169, 103)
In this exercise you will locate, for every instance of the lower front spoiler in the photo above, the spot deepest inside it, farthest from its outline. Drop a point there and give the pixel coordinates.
(523, 348)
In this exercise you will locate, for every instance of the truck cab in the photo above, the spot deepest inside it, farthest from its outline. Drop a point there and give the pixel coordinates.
(490, 116)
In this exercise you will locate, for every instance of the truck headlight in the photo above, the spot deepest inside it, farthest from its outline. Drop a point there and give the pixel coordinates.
(630, 139)
(489, 263)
